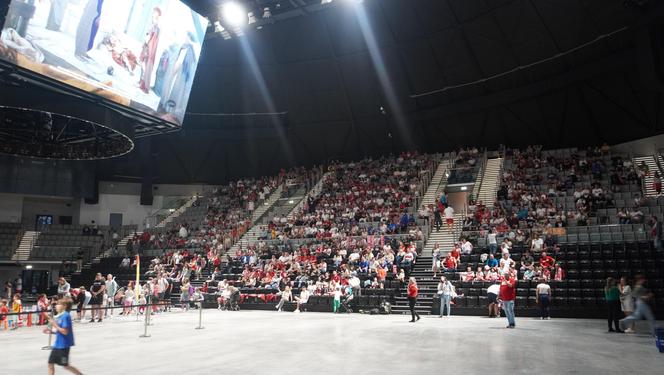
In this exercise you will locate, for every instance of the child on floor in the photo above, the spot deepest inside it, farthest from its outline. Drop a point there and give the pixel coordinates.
(62, 326)
(17, 308)
(337, 299)
(4, 310)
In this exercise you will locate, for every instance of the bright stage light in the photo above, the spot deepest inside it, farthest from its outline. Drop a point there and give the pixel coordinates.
(234, 14)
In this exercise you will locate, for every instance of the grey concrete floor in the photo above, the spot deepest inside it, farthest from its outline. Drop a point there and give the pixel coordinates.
(266, 342)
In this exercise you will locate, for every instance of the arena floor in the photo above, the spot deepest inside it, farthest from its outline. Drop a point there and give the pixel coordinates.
(265, 342)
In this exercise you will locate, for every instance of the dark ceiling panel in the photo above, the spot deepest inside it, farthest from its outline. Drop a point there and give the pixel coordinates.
(465, 10)
(291, 44)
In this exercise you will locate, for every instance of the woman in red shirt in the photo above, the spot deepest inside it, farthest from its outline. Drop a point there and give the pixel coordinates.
(412, 299)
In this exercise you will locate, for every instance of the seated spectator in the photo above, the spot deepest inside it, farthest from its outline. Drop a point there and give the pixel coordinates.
(302, 299)
(527, 262)
(466, 247)
(479, 274)
(559, 273)
(546, 261)
(456, 254)
(506, 263)
(469, 275)
(491, 262)
(450, 263)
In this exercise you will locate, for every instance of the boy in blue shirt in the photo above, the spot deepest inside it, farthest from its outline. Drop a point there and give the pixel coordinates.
(64, 337)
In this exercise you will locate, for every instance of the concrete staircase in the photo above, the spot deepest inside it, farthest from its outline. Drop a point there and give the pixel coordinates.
(438, 182)
(175, 214)
(25, 246)
(437, 185)
(314, 192)
(428, 286)
(444, 238)
(490, 181)
(649, 160)
(252, 234)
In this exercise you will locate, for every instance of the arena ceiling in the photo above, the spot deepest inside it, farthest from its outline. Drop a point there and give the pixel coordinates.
(343, 83)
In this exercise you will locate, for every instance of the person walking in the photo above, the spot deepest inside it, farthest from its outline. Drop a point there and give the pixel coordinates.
(445, 290)
(543, 298)
(412, 299)
(63, 328)
(507, 296)
(626, 301)
(612, 296)
(643, 311)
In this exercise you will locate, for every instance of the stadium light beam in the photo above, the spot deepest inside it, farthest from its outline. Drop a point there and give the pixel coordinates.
(234, 14)
(383, 76)
(248, 52)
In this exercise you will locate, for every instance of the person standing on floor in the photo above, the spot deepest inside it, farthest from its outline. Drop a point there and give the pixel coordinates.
(626, 301)
(111, 289)
(97, 290)
(412, 299)
(445, 290)
(543, 291)
(643, 311)
(612, 296)
(507, 296)
(492, 296)
(63, 328)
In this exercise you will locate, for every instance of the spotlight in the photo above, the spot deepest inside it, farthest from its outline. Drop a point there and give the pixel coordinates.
(267, 13)
(28, 267)
(251, 18)
(234, 14)
(325, 1)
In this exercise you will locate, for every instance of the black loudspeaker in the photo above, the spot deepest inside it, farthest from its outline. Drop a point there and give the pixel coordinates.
(147, 171)
(146, 192)
(91, 196)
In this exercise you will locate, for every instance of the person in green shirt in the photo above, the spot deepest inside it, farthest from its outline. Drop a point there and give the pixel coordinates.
(612, 296)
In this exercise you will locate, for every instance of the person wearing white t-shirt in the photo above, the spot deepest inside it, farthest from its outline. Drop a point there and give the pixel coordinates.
(449, 217)
(466, 247)
(493, 243)
(537, 244)
(302, 299)
(492, 293)
(543, 291)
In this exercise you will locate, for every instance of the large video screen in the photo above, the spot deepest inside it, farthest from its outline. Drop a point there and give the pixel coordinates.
(138, 53)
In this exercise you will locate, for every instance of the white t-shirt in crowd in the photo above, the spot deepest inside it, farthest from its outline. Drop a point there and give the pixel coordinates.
(449, 212)
(494, 288)
(537, 244)
(492, 238)
(543, 288)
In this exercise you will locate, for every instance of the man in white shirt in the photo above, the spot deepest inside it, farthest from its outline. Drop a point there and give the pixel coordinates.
(492, 293)
(466, 247)
(449, 217)
(183, 232)
(493, 243)
(302, 299)
(536, 245)
(354, 283)
(544, 299)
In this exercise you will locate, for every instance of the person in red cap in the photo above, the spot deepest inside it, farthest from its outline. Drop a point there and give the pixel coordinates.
(507, 296)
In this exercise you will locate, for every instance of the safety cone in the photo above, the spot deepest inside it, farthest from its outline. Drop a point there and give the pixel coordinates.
(29, 319)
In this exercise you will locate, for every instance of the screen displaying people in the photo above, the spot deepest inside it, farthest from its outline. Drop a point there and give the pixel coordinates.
(138, 53)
